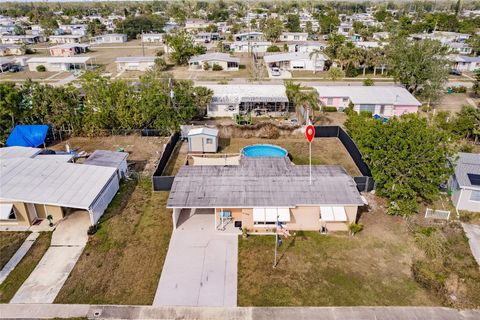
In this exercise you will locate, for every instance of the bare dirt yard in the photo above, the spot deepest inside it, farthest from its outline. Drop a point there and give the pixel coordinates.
(453, 102)
(144, 152)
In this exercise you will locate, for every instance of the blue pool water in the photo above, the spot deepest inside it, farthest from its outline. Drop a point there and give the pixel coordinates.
(264, 150)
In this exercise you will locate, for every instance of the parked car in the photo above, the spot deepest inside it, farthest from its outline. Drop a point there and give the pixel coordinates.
(275, 72)
(14, 68)
(455, 72)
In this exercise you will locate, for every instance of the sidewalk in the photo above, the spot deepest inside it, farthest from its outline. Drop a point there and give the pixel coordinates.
(42, 311)
(18, 256)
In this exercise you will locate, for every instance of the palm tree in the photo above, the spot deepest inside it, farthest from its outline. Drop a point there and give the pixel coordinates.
(315, 54)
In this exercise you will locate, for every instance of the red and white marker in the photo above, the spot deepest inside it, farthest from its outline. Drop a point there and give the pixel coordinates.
(310, 132)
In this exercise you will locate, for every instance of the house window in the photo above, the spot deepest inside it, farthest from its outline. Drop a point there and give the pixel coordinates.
(7, 211)
(382, 109)
(330, 101)
(367, 107)
(475, 196)
(209, 141)
(296, 37)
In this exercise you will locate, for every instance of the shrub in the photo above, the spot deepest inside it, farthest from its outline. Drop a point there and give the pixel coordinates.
(336, 73)
(161, 64)
(355, 228)
(92, 230)
(273, 48)
(205, 66)
(368, 82)
(217, 67)
(459, 89)
(329, 109)
(430, 275)
(432, 242)
(29, 51)
(41, 68)
(366, 114)
(351, 71)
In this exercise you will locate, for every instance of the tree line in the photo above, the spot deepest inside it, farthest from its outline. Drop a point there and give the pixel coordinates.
(157, 101)
(411, 156)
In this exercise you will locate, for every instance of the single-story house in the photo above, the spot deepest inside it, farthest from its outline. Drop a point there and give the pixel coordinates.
(67, 38)
(345, 28)
(465, 63)
(295, 61)
(367, 44)
(258, 100)
(23, 39)
(11, 50)
(58, 63)
(191, 24)
(263, 190)
(203, 36)
(202, 140)
(386, 101)
(34, 188)
(306, 46)
(460, 47)
(112, 159)
(249, 36)
(139, 63)
(68, 49)
(227, 62)
(465, 183)
(110, 38)
(250, 46)
(152, 37)
(294, 36)
(383, 35)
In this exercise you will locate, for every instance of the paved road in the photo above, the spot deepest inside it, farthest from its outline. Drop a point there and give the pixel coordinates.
(473, 234)
(42, 311)
(201, 266)
(48, 277)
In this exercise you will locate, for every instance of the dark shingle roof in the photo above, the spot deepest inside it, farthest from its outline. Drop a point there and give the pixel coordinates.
(262, 182)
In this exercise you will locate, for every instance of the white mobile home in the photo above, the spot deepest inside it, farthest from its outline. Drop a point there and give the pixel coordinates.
(465, 183)
(110, 38)
(68, 38)
(58, 63)
(306, 46)
(152, 37)
(295, 61)
(250, 46)
(227, 62)
(135, 63)
(294, 36)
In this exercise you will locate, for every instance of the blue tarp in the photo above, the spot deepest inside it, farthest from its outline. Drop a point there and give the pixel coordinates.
(379, 117)
(27, 135)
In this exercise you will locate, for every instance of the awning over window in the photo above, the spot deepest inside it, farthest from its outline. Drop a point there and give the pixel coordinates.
(5, 210)
(333, 214)
(270, 214)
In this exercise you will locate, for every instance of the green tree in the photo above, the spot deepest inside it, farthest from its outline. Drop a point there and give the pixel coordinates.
(336, 73)
(183, 47)
(408, 157)
(95, 28)
(474, 42)
(273, 29)
(328, 22)
(315, 54)
(421, 66)
(11, 111)
(132, 26)
(293, 23)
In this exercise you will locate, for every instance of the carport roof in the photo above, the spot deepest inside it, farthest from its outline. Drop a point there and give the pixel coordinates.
(262, 182)
(52, 183)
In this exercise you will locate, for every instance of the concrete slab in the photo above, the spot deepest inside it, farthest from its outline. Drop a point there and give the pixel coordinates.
(201, 266)
(72, 231)
(473, 233)
(18, 256)
(48, 277)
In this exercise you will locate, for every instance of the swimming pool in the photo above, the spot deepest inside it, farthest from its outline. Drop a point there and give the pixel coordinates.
(264, 150)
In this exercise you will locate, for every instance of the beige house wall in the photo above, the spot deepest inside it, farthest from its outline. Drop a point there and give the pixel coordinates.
(198, 143)
(20, 212)
(304, 218)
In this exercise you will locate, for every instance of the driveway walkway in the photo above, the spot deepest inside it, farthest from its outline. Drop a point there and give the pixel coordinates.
(201, 266)
(473, 234)
(18, 256)
(48, 277)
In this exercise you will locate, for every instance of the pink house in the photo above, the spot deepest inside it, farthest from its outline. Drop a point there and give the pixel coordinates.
(386, 101)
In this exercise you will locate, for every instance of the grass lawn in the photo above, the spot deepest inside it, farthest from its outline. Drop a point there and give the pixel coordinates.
(122, 262)
(324, 150)
(372, 268)
(21, 272)
(10, 241)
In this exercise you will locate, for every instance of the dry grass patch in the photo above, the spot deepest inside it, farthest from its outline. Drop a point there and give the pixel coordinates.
(10, 241)
(21, 272)
(325, 151)
(372, 268)
(122, 262)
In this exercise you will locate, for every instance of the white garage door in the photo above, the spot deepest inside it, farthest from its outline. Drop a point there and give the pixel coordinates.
(104, 199)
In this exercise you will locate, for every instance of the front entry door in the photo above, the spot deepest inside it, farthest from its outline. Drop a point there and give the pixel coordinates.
(32, 212)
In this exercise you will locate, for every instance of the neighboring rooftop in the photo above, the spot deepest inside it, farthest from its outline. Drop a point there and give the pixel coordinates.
(135, 59)
(59, 60)
(262, 182)
(217, 56)
(467, 164)
(289, 56)
(18, 152)
(237, 93)
(106, 158)
(393, 95)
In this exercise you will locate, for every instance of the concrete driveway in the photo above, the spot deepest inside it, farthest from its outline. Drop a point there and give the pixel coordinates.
(48, 277)
(201, 266)
(473, 233)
